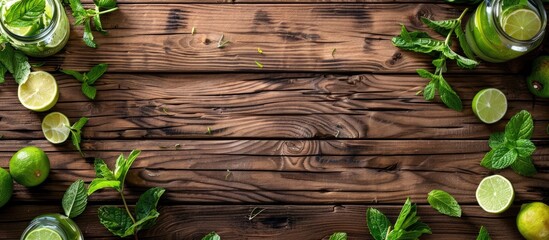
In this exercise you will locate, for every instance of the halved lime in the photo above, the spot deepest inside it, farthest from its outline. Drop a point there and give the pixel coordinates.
(56, 127)
(521, 24)
(495, 194)
(490, 105)
(39, 93)
(43, 234)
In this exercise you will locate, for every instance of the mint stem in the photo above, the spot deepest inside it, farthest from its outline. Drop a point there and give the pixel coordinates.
(107, 11)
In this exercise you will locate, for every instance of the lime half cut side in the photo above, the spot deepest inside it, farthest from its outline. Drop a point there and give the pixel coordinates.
(43, 234)
(495, 194)
(39, 93)
(522, 24)
(490, 105)
(56, 127)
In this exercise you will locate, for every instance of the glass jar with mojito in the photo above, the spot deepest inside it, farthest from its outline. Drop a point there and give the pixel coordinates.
(501, 30)
(39, 31)
(52, 227)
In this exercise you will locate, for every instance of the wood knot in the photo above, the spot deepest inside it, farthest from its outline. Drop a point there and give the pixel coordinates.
(423, 11)
(395, 58)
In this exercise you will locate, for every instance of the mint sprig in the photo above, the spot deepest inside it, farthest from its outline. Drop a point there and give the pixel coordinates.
(444, 203)
(85, 17)
(483, 234)
(88, 79)
(421, 42)
(76, 133)
(24, 13)
(407, 225)
(513, 147)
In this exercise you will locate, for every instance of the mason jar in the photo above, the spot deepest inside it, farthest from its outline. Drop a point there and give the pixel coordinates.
(498, 33)
(53, 226)
(44, 38)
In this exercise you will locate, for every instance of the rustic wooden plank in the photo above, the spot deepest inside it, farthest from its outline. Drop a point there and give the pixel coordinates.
(297, 171)
(270, 106)
(294, 37)
(275, 222)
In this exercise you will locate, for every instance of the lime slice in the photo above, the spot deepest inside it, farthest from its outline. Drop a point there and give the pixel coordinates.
(495, 194)
(43, 234)
(521, 24)
(490, 105)
(39, 93)
(25, 31)
(56, 127)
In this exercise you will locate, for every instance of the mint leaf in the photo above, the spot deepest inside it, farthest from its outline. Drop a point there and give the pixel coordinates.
(102, 170)
(496, 140)
(75, 74)
(3, 71)
(525, 148)
(24, 13)
(75, 199)
(76, 133)
(448, 96)
(404, 215)
(429, 90)
(338, 236)
(123, 165)
(134, 228)
(488, 159)
(88, 35)
(212, 236)
(524, 167)
(463, 43)
(116, 220)
(521, 126)
(89, 91)
(22, 67)
(483, 234)
(98, 24)
(503, 157)
(96, 72)
(105, 4)
(100, 183)
(378, 223)
(444, 203)
(441, 27)
(146, 204)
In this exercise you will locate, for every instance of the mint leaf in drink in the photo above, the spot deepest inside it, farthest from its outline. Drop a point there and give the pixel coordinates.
(444, 203)
(146, 206)
(24, 13)
(15, 62)
(116, 220)
(212, 236)
(483, 234)
(338, 236)
(75, 199)
(378, 223)
(88, 79)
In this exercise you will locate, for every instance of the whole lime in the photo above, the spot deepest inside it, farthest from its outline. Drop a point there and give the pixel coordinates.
(6, 187)
(29, 166)
(538, 80)
(533, 221)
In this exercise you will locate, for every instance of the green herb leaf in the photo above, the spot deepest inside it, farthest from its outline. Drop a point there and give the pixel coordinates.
(378, 223)
(96, 72)
(448, 96)
(338, 236)
(123, 165)
(105, 4)
(89, 91)
(102, 170)
(524, 166)
(442, 27)
(77, 8)
(404, 214)
(98, 24)
(212, 236)
(503, 157)
(521, 126)
(116, 220)
(75, 199)
(88, 35)
(496, 140)
(444, 203)
(429, 90)
(76, 133)
(153, 215)
(147, 204)
(24, 13)
(100, 183)
(463, 43)
(525, 148)
(421, 45)
(78, 125)
(15, 62)
(3, 71)
(75, 74)
(483, 234)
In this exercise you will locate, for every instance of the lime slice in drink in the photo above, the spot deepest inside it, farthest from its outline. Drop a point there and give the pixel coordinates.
(42, 234)
(39, 93)
(56, 127)
(495, 194)
(521, 24)
(490, 105)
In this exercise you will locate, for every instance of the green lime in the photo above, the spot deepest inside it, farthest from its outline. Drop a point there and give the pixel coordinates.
(43, 233)
(490, 105)
(6, 187)
(29, 166)
(538, 79)
(533, 221)
(56, 127)
(522, 24)
(39, 93)
(495, 194)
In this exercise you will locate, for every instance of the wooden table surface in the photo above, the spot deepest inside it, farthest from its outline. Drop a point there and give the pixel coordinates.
(313, 139)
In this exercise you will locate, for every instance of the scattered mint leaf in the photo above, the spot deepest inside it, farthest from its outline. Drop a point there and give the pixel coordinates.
(85, 16)
(76, 133)
(212, 236)
(75, 199)
(102, 170)
(521, 126)
(88, 79)
(407, 225)
(483, 234)
(378, 223)
(24, 13)
(123, 165)
(105, 4)
(88, 37)
(338, 236)
(524, 166)
(89, 91)
(444, 203)
(96, 72)
(73, 73)
(146, 206)
(443, 27)
(116, 220)
(99, 183)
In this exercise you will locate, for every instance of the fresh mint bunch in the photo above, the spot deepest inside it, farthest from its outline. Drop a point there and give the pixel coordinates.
(120, 221)
(407, 225)
(212, 236)
(24, 13)
(88, 79)
(513, 148)
(76, 133)
(421, 42)
(483, 234)
(14, 62)
(85, 17)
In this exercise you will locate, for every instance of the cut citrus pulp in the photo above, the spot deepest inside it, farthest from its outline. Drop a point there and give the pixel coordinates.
(489, 105)
(39, 93)
(56, 127)
(521, 24)
(495, 194)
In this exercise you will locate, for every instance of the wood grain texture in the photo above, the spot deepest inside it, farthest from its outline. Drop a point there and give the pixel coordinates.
(294, 37)
(184, 222)
(299, 106)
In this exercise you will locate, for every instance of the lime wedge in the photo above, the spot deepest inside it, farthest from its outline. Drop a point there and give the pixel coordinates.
(39, 93)
(56, 127)
(495, 194)
(521, 24)
(43, 234)
(490, 105)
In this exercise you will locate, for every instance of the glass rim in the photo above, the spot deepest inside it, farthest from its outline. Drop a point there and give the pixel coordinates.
(44, 32)
(538, 8)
